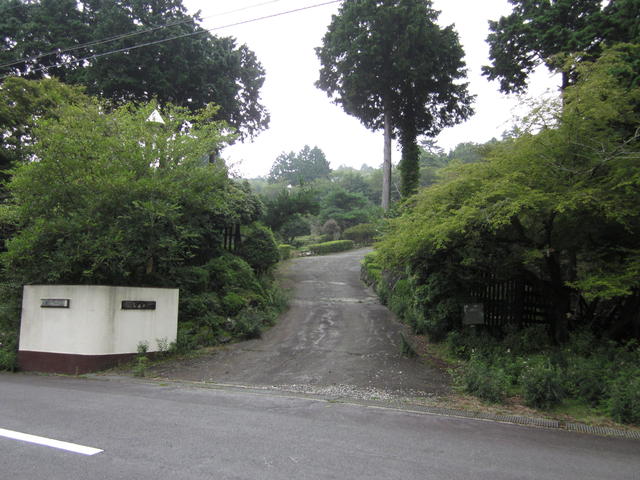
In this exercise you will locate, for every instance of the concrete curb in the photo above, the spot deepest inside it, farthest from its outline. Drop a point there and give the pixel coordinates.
(402, 405)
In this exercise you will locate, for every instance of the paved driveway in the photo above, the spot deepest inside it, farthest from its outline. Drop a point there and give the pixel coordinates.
(336, 338)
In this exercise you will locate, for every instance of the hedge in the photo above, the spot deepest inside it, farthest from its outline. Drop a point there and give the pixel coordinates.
(285, 251)
(331, 247)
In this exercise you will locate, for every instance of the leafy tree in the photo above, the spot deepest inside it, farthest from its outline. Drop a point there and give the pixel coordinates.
(259, 248)
(348, 209)
(193, 70)
(288, 203)
(307, 165)
(352, 181)
(295, 226)
(114, 200)
(390, 65)
(557, 204)
(22, 104)
(546, 31)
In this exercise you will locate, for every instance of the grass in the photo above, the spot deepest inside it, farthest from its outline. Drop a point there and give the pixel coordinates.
(569, 411)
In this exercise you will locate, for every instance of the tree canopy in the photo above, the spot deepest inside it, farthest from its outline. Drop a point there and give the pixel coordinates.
(389, 61)
(558, 204)
(546, 31)
(115, 199)
(306, 166)
(71, 40)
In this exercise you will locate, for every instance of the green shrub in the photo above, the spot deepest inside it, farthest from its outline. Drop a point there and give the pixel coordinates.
(485, 380)
(249, 323)
(587, 378)
(310, 240)
(371, 271)
(401, 299)
(528, 340)
(10, 306)
(259, 248)
(624, 404)
(232, 304)
(542, 384)
(285, 251)
(8, 357)
(362, 234)
(331, 247)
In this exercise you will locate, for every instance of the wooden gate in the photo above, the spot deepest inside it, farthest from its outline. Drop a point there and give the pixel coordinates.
(516, 301)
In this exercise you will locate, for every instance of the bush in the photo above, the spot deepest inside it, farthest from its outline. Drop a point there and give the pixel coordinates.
(285, 251)
(8, 357)
(362, 234)
(259, 248)
(371, 271)
(332, 229)
(624, 404)
(528, 340)
(331, 247)
(542, 384)
(587, 378)
(485, 381)
(310, 240)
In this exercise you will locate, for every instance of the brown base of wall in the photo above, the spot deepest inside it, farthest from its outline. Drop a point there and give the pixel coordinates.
(69, 363)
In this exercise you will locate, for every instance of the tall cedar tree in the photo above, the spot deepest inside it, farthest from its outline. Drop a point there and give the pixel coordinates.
(190, 71)
(546, 31)
(390, 65)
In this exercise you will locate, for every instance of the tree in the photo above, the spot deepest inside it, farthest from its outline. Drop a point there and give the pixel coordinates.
(557, 204)
(390, 65)
(22, 104)
(295, 226)
(348, 209)
(288, 203)
(308, 165)
(193, 70)
(546, 31)
(96, 208)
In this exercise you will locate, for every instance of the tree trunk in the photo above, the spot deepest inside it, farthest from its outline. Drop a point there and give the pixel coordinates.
(386, 165)
(410, 163)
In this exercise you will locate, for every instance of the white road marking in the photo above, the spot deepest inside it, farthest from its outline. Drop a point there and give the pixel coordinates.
(48, 442)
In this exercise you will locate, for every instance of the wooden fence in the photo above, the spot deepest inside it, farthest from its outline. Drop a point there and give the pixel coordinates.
(516, 301)
(231, 238)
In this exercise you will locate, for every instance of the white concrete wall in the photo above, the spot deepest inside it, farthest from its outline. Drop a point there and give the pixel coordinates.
(94, 323)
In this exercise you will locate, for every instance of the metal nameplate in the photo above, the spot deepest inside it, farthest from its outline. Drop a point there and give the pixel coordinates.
(54, 303)
(138, 305)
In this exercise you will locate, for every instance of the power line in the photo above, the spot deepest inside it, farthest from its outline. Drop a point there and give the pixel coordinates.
(156, 42)
(130, 34)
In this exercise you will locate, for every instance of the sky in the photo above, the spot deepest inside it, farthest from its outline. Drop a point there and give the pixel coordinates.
(303, 115)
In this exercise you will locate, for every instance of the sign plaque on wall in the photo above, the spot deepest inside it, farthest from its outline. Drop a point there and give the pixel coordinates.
(54, 303)
(138, 305)
(473, 314)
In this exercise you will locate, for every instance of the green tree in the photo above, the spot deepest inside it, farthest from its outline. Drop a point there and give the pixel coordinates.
(295, 226)
(546, 31)
(95, 207)
(348, 209)
(22, 104)
(196, 69)
(308, 165)
(390, 65)
(288, 203)
(557, 203)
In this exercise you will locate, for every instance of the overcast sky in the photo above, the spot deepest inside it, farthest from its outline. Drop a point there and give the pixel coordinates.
(303, 115)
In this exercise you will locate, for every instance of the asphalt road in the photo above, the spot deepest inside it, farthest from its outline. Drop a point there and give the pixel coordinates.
(336, 336)
(174, 431)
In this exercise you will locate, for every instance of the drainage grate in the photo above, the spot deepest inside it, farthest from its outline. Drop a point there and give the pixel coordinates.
(536, 422)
